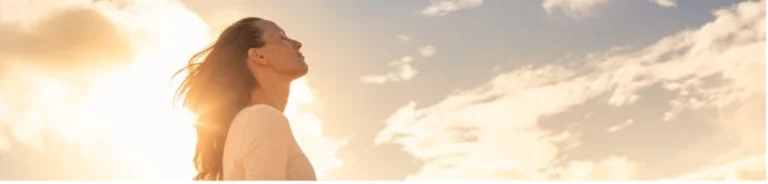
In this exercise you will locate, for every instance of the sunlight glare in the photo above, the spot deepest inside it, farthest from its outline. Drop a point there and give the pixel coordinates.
(128, 114)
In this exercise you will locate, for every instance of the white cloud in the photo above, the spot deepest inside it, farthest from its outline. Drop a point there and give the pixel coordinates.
(404, 38)
(403, 72)
(308, 129)
(377, 79)
(611, 168)
(30, 55)
(26, 12)
(77, 91)
(5, 141)
(574, 8)
(445, 7)
(620, 126)
(493, 132)
(427, 51)
(750, 168)
(665, 3)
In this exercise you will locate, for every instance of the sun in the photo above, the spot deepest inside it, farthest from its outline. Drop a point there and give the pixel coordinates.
(128, 115)
(151, 138)
(131, 109)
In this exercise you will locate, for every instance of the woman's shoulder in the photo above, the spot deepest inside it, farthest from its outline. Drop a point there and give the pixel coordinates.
(261, 116)
(261, 109)
(260, 125)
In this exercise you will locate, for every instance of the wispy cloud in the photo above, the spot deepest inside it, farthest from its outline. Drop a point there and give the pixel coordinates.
(445, 7)
(611, 168)
(403, 71)
(620, 126)
(665, 3)
(586, 8)
(404, 38)
(402, 68)
(427, 51)
(750, 168)
(573, 8)
(493, 131)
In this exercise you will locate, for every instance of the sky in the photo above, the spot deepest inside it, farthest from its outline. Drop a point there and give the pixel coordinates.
(402, 89)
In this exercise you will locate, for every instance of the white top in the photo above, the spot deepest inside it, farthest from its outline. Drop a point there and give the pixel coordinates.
(261, 146)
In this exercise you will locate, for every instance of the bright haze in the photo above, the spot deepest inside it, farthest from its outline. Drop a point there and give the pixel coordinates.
(401, 90)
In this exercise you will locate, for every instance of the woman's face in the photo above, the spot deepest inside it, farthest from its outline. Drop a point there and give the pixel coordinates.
(279, 52)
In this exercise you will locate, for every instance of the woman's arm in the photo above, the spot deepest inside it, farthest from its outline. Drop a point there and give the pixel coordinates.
(266, 156)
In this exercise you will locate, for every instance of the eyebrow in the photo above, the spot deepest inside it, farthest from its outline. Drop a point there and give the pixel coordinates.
(280, 33)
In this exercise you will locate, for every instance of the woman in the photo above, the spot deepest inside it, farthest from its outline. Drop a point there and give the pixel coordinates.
(239, 92)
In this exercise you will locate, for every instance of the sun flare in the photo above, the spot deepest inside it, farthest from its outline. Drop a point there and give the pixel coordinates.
(125, 118)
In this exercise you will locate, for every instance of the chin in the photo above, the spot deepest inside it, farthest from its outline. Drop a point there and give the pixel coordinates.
(304, 69)
(298, 73)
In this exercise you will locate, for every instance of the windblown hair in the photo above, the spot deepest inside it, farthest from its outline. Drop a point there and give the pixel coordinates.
(217, 87)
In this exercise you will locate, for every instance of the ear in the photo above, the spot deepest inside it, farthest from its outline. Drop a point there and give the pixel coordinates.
(256, 56)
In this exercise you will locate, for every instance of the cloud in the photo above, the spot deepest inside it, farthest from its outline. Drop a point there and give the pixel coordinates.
(427, 51)
(611, 168)
(5, 140)
(445, 7)
(10, 11)
(403, 72)
(493, 131)
(73, 39)
(750, 168)
(72, 87)
(573, 8)
(620, 126)
(404, 38)
(67, 40)
(665, 3)
(308, 129)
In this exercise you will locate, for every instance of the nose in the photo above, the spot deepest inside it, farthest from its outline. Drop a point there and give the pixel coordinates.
(297, 45)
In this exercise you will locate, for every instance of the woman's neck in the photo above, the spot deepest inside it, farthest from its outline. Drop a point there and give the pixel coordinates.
(275, 95)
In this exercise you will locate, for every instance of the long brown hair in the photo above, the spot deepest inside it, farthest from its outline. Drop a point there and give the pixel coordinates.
(217, 87)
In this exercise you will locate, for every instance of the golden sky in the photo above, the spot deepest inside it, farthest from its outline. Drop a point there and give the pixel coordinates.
(451, 89)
